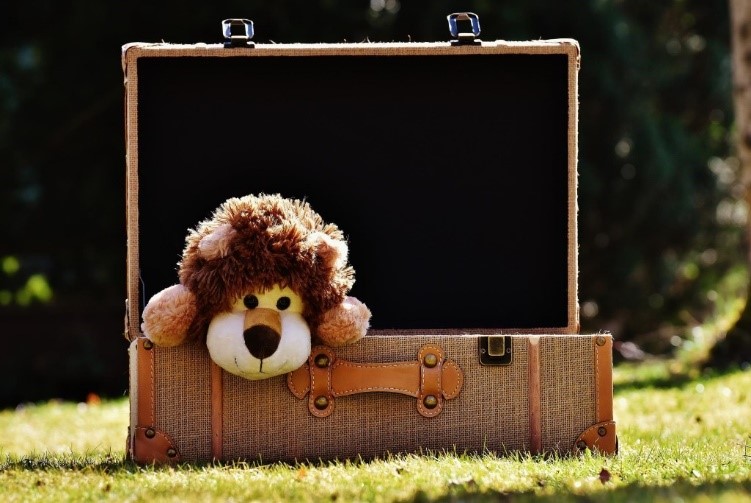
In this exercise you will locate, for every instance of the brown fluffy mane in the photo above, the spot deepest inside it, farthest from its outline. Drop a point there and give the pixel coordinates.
(270, 244)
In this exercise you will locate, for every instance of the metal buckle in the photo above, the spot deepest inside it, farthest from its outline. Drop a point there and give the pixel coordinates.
(464, 38)
(495, 350)
(234, 39)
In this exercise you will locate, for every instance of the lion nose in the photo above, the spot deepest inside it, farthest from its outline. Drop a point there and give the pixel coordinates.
(261, 341)
(262, 332)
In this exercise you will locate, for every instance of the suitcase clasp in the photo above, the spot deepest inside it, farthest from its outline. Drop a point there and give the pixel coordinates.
(232, 38)
(495, 350)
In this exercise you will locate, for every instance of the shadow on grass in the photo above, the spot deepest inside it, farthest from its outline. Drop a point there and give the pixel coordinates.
(679, 491)
(666, 379)
(653, 382)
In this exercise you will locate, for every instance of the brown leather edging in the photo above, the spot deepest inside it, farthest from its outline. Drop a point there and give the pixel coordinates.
(431, 385)
(535, 410)
(154, 446)
(413, 378)
(603, 377)
(146, 405)
(217, 412)
(320, 383)
(149, 445)
(601, 437)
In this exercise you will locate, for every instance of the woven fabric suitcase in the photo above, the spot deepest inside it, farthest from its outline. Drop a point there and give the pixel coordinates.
(452, 167)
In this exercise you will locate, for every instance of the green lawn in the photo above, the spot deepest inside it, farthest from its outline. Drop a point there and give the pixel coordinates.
(680, 440)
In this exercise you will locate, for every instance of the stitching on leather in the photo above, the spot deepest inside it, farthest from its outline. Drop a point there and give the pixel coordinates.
(459, 381)
(293, 388)
(342, 363)
(421, 394)
(597, 380)
(152, 390)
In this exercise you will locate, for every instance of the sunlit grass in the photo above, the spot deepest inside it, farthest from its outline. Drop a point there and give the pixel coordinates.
(680, 439)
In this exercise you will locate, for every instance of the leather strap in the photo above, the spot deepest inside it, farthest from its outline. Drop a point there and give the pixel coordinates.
(145, 406)
(431, 379)
(601, 436)
(535, 408)
(603, 345)
(217, 412)
(148, 444)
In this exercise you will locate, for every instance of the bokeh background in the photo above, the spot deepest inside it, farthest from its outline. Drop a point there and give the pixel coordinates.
(661, 221)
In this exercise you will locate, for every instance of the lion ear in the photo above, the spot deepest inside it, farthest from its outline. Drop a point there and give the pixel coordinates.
(216, 244)
(332, 252)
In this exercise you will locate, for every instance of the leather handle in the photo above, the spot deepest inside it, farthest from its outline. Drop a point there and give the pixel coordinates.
(431, 379)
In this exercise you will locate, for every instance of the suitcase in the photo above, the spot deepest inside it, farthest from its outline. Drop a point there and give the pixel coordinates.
(451, 166)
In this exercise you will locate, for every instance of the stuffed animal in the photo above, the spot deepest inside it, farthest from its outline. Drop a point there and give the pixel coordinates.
(259, 281)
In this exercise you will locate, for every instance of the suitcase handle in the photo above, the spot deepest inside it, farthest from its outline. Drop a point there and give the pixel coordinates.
(431, 379)
(464, 38)
(234, 39)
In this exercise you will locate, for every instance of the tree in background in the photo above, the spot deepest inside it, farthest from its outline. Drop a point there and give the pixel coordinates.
(660, 216)
(735, 348)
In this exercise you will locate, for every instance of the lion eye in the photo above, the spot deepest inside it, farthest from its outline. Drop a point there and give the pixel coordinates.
(250, 301)
(283, 303)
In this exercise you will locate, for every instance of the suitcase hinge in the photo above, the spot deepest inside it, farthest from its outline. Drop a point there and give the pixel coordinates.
(464, 38)
(238, 33)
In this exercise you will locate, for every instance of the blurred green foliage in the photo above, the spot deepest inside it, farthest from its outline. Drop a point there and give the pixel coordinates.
(660, 213)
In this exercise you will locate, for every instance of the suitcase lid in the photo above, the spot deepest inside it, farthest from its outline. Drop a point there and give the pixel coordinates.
(452, 169)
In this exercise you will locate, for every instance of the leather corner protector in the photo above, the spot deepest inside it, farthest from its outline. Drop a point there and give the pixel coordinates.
(151, 446)
(601, 437)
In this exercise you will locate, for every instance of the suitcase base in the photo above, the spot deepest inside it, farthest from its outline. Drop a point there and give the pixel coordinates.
(548, 394)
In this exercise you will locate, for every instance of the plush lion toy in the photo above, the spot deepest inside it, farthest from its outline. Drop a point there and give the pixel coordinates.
(259, 280)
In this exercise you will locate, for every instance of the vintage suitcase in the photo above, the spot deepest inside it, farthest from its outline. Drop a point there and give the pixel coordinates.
(451, 166)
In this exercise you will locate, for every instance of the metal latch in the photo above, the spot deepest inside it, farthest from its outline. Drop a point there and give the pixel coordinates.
(238, 32)
(464, 38)
(495, 350)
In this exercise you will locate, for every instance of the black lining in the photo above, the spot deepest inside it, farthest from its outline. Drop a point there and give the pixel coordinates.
(448, 174)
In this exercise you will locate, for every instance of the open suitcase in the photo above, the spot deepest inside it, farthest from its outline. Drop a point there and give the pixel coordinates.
(451, 166)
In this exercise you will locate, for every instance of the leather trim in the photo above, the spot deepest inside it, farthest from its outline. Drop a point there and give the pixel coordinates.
(217, 412)
(153, 446)
(430, 381)
(298, 381)
(146, 405)
(603, 377)
(535, 408)
(148, 445)
(349, 378)
(320, 382)
(453, 379)
(443, 381)
(601, 437)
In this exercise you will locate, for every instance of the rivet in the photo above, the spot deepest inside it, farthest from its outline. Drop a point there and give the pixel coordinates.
(581, 445)
(322, 361)
(150, 433)
(600, 340)
(430, 360)
(602, 431)
(171, 453)
(147, 344)
(430, 402)
(321, 402)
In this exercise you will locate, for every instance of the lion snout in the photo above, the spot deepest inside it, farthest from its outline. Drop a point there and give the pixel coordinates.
(262, 332)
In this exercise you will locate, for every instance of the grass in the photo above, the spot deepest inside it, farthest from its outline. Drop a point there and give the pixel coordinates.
(681, 439)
